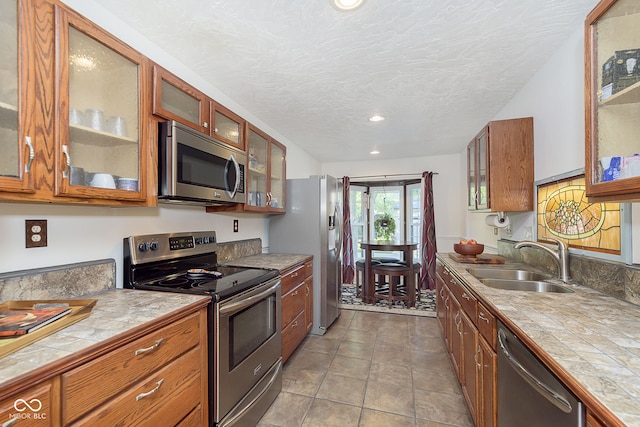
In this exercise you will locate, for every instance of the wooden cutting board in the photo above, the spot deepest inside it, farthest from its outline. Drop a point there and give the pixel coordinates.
(477, 259)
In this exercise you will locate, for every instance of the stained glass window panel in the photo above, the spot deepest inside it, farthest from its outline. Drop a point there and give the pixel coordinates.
(564, 213)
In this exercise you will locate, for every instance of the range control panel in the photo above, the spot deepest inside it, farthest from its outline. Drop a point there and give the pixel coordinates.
(156, 247)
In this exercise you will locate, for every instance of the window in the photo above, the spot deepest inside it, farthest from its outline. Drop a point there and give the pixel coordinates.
(595, 229)
(401, 202)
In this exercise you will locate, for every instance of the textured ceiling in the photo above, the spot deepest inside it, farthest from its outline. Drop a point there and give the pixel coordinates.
(438, 70)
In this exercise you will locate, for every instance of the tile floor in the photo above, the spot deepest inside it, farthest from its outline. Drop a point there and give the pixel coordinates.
(371, 369)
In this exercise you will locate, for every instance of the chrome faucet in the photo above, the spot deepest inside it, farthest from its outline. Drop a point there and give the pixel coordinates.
(561, 255)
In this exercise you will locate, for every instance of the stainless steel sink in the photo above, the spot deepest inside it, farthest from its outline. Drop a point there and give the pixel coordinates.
(501, 273)
(525, 285)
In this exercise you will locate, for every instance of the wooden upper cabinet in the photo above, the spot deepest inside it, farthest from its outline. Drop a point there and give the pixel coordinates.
(612, 101)
(500, 167)
(101, 138)
(227, 126)
(17, 130)
(266, 172)
(174, 99)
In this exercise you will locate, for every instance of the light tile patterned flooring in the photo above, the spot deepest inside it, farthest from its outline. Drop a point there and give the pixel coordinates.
(371, 369)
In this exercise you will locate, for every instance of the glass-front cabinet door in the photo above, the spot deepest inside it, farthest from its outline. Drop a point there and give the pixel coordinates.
(101, 143)
(472, 190)
(483, 170)
(227, 126)
(17, 136)
(257, 161)
(612, 80)
(266, 177)
(174, 99)
(277, 181)
(478, 172)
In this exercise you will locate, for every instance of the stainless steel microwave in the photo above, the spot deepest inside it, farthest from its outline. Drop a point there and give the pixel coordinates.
(194, 168)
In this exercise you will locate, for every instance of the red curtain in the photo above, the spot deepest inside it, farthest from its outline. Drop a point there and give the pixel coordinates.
(428, 240)
(348, 264)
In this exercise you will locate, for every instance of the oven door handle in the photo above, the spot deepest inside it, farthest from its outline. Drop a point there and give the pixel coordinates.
(239, 305)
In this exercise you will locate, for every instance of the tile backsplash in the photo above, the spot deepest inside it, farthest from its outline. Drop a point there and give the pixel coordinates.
(613, 278)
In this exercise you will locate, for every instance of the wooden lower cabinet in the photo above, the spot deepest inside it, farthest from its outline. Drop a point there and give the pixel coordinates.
(470, 373)
(467, 337)
(297, 306)
(34, 407)
(487, 397)
(308, 302)
(158, 379)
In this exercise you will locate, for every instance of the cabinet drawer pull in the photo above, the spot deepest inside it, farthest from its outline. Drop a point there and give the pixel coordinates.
(10, 422)
(465, 296)
(148, 349)
(482, 317)
(475, 358)
(150, 392)
(294, 274)
(294, 324)
(294, 293)
(65, 151)
(32, 154)
(307, 288)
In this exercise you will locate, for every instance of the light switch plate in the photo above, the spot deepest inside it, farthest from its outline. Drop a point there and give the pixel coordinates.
(35, 233)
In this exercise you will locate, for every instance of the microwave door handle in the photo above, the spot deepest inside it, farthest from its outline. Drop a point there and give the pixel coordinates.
(233, 161)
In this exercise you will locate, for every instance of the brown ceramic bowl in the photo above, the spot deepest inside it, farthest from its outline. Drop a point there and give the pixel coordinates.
(469, 250)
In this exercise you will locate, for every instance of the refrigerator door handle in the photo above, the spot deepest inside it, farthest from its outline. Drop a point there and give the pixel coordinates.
(338, 229)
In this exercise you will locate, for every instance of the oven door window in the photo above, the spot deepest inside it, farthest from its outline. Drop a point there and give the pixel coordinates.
(250, 328)
(196, 167)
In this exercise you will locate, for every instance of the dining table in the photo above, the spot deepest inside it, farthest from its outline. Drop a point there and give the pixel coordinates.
(369, 285)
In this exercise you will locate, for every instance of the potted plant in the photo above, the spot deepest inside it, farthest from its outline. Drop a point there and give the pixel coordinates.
(385, 226)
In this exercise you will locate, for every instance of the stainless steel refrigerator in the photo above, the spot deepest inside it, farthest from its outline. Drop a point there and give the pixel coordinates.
(312, 225)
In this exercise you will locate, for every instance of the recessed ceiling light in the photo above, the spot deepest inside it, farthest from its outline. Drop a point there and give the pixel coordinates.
(346, 4)
(376, 118)
(374, 152)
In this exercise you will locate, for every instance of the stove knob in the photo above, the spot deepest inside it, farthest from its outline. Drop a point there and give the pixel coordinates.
(154, 246)
(143, 247)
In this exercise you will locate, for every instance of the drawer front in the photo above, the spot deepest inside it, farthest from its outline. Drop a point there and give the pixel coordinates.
(32, 407)
(442, 271)
(469, 304)
(292, 279)
(293, 304)
(292, 336)
(164, 398)
(308, 269)
(194, 419)
(97, 381)
(487, 325)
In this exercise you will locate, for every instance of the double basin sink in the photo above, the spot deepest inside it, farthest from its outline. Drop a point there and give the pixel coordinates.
(516, 280)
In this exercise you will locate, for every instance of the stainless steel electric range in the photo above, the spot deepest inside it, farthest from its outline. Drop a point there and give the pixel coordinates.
(245, 345)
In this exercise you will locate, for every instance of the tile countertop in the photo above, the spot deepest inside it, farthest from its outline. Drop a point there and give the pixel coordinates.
(116, 311)
(278, 261)
(594, 337)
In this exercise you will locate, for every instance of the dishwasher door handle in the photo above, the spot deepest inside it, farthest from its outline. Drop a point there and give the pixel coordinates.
(542, 388)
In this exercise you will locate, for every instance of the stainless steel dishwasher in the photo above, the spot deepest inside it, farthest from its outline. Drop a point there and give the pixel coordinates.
(529, 395)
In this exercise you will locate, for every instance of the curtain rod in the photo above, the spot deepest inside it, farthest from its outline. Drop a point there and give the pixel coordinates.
(417, 175)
